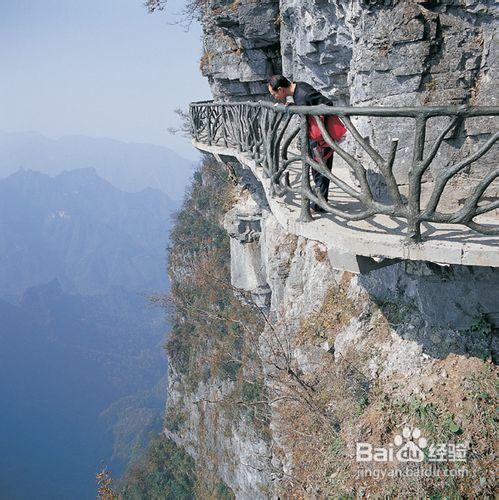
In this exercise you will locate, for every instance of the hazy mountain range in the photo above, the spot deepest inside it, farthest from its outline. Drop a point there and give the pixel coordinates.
(66, 363)
(79, 228)
(82, 371)
(128, 166)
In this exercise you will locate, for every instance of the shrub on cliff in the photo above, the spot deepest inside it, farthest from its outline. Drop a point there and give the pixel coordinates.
(209, 324)
(165, 472)
(193, 9)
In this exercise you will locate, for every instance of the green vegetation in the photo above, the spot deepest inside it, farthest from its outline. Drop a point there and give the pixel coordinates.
(478, 337)
(166, 472)
(481, 326)
(223, 492)
(175, 417)
(213, 339)
(212, 330)
(396, 313)
(437, 425)
(249, 400)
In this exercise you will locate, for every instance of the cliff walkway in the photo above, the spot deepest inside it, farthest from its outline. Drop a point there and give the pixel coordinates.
(431, 195)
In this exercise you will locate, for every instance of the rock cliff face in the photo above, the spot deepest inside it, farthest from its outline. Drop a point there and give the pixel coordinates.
(366, 53)
(364, 353)
(362, 52)
(344, 359)
(241, 47)
(396, 53)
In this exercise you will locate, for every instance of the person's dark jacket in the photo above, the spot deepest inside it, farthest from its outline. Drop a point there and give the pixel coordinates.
(306, 95)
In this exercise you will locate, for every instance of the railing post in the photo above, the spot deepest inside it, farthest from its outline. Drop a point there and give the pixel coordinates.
(196, 122)
(192, 124)
(254, 129)
(224, 125)
(305, 215)
(240, 130)
(208, 125)
(415, 174)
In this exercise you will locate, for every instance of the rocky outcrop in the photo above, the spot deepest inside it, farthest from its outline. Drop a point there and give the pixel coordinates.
(228, 449)
(404, 334)
(367, 53)
(243, 224)
(348, 358)
(399, 53)
(392, 52)
(240, 47)
(345, 359)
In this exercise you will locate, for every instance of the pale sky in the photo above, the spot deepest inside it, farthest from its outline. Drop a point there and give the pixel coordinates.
(101, 68)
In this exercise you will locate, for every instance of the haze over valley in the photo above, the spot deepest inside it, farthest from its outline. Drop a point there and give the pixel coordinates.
(82, 369)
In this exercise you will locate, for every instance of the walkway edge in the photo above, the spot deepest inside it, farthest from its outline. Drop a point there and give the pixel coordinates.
(349, 241)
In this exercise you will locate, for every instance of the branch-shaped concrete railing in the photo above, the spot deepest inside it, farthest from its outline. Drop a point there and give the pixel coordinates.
(275, 137)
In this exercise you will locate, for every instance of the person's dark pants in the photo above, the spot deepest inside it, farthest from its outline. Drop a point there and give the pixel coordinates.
(322, 182)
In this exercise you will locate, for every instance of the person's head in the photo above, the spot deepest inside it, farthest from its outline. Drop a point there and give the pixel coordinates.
(279, 87)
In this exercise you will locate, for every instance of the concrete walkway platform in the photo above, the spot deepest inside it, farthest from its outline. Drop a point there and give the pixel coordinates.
(380, 240)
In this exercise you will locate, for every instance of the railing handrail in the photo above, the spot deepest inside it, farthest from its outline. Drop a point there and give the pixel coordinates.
(464, 110)
(265, 130)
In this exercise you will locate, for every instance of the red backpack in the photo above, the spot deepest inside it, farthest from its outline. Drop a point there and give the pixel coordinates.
(334, 127)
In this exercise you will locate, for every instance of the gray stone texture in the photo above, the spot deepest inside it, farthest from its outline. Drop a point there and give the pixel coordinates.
(368, 53)
(400, 53)
(431, 311)
(238, 455)
(241, 47)
(243, 224)
(387, 53)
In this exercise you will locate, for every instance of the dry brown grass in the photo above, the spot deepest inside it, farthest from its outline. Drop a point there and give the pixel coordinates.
(312, 420)
(234, 5)
(105, 486)
(339, 404)
(320, 252)
(205, 61)
(335, 313)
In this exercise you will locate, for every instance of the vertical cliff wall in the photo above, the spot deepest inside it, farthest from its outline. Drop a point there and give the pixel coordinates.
(363, 52)
(366, 53)
(326, 359)
(240, 47)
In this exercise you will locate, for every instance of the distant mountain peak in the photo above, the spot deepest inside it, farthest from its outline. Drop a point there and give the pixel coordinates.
(24, 172)
(131, 167)
(81, 174)
(37, 296)
(80, 228)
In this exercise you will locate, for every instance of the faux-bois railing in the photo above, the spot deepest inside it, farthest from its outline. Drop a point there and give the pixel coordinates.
(267, 133)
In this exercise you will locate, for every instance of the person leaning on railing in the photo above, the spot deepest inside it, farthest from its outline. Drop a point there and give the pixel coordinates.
(304, 94)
